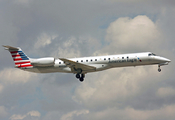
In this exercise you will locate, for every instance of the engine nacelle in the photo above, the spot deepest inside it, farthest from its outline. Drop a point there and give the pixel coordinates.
(43, 62)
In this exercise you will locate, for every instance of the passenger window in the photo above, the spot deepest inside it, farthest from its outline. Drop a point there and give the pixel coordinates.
(59, 62)
(95, 59)
(122, 57)
(104, 58)
(127, 57)
(91, 60)
(81, 60)
(77, 60)
(86, 60)
(108, 58)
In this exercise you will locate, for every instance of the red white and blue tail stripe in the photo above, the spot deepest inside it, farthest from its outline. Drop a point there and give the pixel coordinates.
(19, 57)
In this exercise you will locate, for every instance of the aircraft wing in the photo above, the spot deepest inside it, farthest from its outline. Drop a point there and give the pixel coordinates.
(74, 65)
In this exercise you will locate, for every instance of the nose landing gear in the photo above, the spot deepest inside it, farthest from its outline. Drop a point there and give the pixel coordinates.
(159, 68)
(81, 78)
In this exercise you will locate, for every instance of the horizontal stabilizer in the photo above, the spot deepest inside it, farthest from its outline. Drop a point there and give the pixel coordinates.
(10, 47)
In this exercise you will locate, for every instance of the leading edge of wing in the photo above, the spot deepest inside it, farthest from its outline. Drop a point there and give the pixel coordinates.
(71, 63)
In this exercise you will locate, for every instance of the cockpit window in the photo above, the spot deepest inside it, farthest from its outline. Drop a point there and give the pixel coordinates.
(151, 54)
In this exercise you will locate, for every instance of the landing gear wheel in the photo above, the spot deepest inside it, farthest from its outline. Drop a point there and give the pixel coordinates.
(159, 70)
(83, 75)
(81, 79)
(77, 76)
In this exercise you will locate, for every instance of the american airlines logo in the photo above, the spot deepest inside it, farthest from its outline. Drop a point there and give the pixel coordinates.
(122, 61)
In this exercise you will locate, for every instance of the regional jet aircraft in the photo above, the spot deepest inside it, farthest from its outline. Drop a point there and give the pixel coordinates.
(81, 66)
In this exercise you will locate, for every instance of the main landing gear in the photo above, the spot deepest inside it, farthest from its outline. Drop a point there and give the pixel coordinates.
(81, 78)
(159, 68)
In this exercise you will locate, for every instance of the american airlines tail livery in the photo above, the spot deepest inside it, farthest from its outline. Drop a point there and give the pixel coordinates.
(81, 66)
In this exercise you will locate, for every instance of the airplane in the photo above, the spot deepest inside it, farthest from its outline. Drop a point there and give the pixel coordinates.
(83, 65)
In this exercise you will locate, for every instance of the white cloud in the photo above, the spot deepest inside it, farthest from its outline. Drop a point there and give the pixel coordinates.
(17, 117)
(137, 34)
(67, 48)
(69, 42)
(75, 46)
(34, 113)
(128, 113)
(21, 117)
(13, 75)
(69, 115)
(114, 85)
(70, 52)
(165, 92)
(44, 39)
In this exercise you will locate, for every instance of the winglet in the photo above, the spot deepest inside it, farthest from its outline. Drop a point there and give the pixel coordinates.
(10, 47)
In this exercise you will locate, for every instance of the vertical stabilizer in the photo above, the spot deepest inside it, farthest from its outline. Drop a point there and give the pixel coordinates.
(19, 57)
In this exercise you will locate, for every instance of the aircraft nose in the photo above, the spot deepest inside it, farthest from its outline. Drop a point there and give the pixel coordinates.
(165, 59)
(168, 60)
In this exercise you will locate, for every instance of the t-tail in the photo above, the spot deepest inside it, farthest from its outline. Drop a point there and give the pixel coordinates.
(19, 57)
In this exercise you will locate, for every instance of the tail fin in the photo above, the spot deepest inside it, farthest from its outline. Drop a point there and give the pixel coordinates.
(19, 57)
